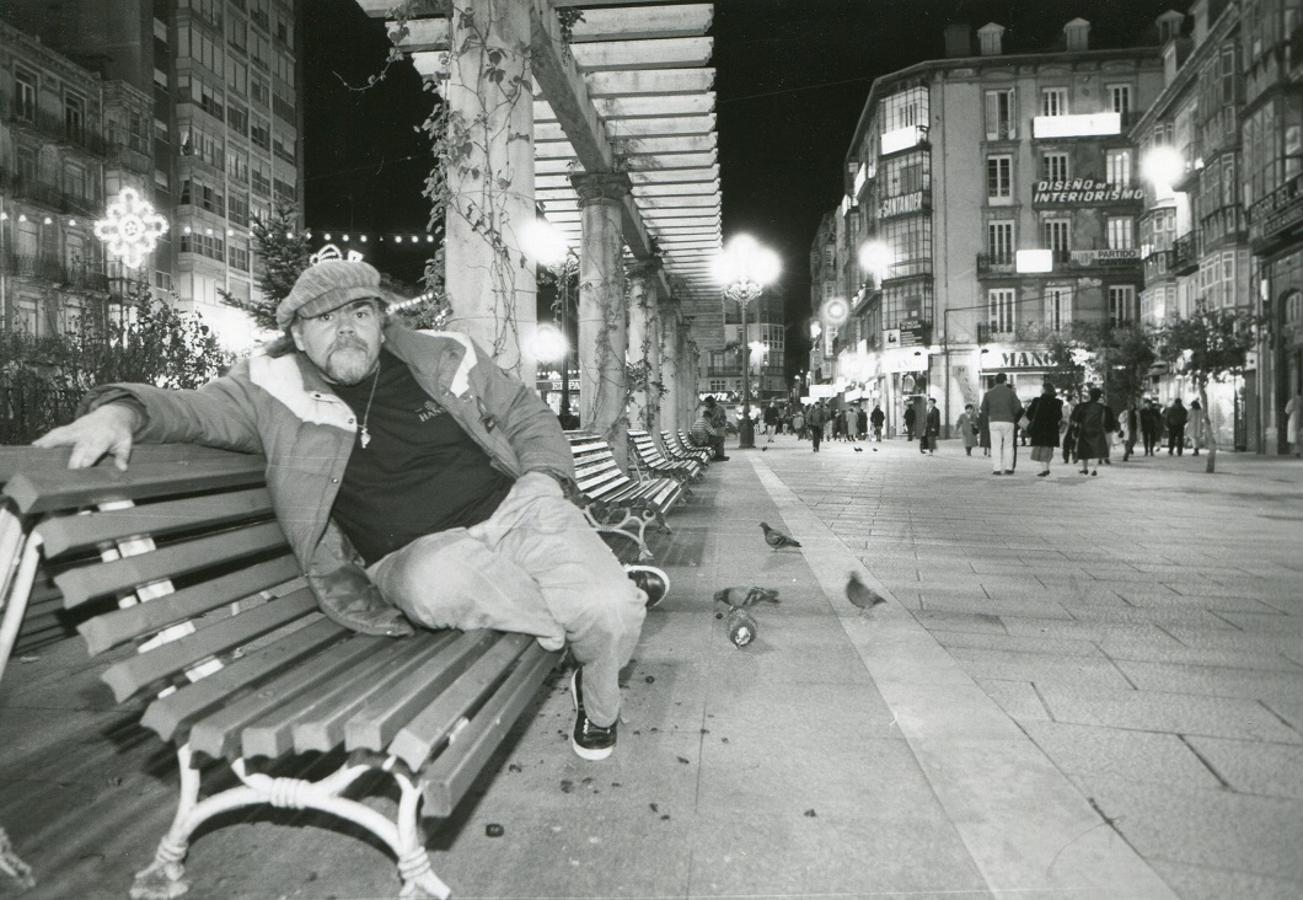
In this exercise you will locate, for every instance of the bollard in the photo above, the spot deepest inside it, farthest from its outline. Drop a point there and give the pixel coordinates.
(741, 627)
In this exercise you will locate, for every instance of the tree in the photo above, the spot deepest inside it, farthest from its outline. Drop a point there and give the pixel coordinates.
(282, 252)
(1210, 345)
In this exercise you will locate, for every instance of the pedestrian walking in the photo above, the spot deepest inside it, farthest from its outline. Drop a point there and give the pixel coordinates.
(931, 427)
(1198, 431)
(1070, 436)
(1293, 423)
(1151, 422)
(984, 433)
(1002, 409)
(798, 425)
(1094, 422)
(861, 423)
(966, 425)
(1045, 424)
(909, 421)
(878, 418)
(816, 421)
(849, 415)
(771, 420)
(1175, 419)
(1132, 426)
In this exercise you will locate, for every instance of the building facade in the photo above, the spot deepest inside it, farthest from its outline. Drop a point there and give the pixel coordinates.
(764, 348)
(223, 124)
(68, 139)
(991, 198)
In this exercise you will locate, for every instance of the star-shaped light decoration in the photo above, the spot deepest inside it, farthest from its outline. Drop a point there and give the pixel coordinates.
(130, 228)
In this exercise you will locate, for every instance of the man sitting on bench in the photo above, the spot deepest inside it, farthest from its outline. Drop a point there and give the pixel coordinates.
(414, 478)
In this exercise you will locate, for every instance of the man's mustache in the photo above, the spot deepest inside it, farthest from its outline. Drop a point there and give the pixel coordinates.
(348, 343)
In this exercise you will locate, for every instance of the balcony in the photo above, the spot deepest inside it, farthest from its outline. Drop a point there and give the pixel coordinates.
(995, 264)
(1224, 225)
(55, 127)
(130, 158)
(42, 194)
(80, 276)
(1185, 254)
(1158, 266)
(1275, 220)
(988, 333)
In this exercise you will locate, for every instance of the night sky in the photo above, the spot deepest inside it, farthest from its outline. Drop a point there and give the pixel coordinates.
(792, 77)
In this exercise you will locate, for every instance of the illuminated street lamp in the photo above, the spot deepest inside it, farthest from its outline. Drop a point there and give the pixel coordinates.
(877, 259)
(130, 228)
(546, 245)
(1162, 166)
(745, 268)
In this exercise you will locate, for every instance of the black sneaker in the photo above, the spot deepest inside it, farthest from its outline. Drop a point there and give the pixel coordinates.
(589, 741)
(653, 581)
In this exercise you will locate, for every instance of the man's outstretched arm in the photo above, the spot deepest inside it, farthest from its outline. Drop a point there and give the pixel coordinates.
(109, 429)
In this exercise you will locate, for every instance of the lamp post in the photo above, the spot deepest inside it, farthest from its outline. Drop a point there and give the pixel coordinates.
(541, 240)
(745, 268)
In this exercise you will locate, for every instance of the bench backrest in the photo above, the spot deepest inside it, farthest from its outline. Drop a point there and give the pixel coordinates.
(597, 474)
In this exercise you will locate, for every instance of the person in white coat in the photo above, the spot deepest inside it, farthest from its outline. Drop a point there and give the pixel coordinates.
(1294, 412)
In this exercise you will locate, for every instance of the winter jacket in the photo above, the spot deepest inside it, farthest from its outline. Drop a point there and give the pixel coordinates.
(1001, 404)
(1046, 415)
(282, 408)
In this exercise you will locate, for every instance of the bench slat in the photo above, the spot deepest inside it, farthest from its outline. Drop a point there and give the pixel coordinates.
(376, 724)
(45, 490)
(130, 675)
(169, 716)
(76, 532)
(324, 729)
(112, 628)
(86, 582)
(419, 737)
(273, 734)
(453, 771)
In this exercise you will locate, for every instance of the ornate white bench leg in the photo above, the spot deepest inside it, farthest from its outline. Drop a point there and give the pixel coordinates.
(419, 880)
(164, 878)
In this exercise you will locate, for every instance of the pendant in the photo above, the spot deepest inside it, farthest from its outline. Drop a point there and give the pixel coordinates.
(366, 437)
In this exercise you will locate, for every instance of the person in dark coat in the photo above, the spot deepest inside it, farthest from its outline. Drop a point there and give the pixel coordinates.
(932, 428)
(878, 418)
(1092, 419)
(984, 433)
(861, 423)
(1175, 418)
(909, 421)
(1044, 425)
(1150, 424)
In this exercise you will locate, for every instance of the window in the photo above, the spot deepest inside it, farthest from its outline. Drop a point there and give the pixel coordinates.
(1001, 123)
(26, 157)
(1000, 303)
(24, 95)
(74, 117)
(1058, 306)
(999, 177)
(237, 118)
(1121, 233)
(1118, 167)
(1057, 237)
(237, 209)
(75, 184)
(240, 255)
(260, 132)
(1054, 101)
(259, 90)
(237, 34)
(901, 110)
(1122, 304)
(1119, 98)
(999, 241)
(237, 75)
(1054, 166)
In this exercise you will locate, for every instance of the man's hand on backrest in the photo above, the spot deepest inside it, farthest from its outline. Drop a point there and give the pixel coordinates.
(109, 429)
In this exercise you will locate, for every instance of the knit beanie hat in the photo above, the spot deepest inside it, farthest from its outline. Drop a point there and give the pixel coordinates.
(326, 286)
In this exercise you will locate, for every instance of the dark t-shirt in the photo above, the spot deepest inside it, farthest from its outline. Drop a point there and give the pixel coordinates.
(420, 472)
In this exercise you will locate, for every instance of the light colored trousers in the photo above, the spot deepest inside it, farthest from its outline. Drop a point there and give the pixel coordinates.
(1002, 445)
(534, 567)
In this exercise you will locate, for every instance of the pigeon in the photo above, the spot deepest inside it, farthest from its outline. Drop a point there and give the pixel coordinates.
(861, 595)
(776, 539)
(742, 597)
(858, 449)
(763, 449)
(875, 449)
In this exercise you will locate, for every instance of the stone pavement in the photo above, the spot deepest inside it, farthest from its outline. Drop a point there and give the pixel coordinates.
(1086, 687)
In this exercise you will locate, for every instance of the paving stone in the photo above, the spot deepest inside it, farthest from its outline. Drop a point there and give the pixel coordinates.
(1017, 698)
(1166, 649)
(1015, 643)
(1039, 668)
(1205, 883)
(1254, 767)
(1207, 828)
(1213, 681)
(1155, 711)
(961, 621)
(1141, 756)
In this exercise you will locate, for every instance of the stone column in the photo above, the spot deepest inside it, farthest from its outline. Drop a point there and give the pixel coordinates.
(668, 327)
(689, 366)
(490, 285)
(603, 330)
(642, 353)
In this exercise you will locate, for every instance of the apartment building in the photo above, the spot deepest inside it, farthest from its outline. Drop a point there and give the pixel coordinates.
(991, 198)
(68, 140)
(764, 347)
(224, 124)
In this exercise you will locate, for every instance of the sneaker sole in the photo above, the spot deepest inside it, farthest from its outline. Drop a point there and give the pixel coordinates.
(581, 751)
(661, 574)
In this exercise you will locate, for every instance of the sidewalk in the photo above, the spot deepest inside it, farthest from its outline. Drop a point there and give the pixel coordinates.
(1094, 692)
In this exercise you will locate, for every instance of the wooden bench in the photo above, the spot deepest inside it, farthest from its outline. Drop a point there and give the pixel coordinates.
(612, 501)
(649, 460)
(187, 563)
(678, 443)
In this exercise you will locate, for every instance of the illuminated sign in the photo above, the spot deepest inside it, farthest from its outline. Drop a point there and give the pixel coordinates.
(1083, 191)
(1035, 261)
(905, 203)
(1090, 125)
(1018, 360)
(901, 139)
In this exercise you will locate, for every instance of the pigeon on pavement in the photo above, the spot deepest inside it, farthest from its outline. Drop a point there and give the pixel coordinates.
(858, 449)
(861, 595)
(776, 539)
(745, 596)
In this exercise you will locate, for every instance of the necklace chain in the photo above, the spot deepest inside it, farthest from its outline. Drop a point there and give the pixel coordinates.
(366, 414)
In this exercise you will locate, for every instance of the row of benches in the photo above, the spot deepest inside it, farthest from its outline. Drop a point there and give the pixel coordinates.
(182, 557)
